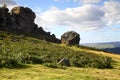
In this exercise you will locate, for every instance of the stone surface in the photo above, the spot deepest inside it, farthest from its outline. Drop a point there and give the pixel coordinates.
(24, 18)
(3, 17)
(70, 38)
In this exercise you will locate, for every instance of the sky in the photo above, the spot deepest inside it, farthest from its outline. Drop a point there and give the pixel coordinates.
(95, 20)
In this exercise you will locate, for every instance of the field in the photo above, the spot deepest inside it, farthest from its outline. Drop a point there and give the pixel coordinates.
(39, 72)
(25, 58)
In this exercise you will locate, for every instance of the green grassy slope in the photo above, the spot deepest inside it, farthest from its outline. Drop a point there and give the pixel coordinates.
(17, 49)
(32, 54)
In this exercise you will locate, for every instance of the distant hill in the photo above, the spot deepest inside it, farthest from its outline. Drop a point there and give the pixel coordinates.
(113, 50)
(113, 47)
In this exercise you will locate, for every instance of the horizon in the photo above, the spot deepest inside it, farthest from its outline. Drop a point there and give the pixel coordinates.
(101, 42)
(97, 21)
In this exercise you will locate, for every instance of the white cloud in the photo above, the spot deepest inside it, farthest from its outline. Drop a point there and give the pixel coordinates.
(8, 2)
(86, 17)
(112, 12)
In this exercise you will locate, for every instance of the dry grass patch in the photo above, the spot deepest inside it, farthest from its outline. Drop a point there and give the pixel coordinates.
(39, 72)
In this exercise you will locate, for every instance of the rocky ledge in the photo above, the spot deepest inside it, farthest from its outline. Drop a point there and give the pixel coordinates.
(21, 20)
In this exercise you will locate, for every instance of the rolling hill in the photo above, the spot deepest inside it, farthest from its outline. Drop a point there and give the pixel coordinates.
(113, 47)
(18, 49)
(34, 59)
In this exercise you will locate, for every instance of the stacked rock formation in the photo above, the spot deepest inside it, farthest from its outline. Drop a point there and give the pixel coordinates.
(21, 19)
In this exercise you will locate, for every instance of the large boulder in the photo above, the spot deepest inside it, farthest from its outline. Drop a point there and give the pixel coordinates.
(70, 38)
(24, 18)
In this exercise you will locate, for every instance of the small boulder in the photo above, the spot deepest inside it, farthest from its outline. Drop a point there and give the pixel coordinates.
(70, 38)
(64, 62)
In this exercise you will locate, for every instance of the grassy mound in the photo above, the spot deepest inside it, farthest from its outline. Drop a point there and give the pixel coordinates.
(18, 50)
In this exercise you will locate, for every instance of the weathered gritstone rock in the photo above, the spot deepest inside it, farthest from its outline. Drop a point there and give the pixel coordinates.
(3, 17)
(21, 20)
(24, 18)
(70, 38)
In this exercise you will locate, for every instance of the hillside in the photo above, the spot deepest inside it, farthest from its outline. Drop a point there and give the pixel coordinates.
(104, 45)
(113, 47)
(113, 50)
(28, 57)
(19, 49)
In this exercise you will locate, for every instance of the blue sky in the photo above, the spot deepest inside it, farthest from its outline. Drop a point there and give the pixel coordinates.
(95, 20)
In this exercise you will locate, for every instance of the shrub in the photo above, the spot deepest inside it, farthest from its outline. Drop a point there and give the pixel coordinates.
(95, 62)
(36, 59)
(10, 63)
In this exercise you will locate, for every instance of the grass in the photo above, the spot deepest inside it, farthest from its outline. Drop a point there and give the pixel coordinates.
(40, 72)
(115, 57)
(26, 58)
(17, 49)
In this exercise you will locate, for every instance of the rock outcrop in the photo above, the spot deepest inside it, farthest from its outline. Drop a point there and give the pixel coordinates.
(70, 38)
(3, 17)
(21, 20)
(24, 18)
